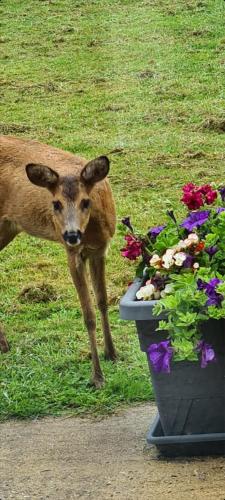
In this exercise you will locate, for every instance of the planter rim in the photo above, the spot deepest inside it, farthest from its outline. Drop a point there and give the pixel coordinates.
(208, 444)
(133, 309)
(154, 438)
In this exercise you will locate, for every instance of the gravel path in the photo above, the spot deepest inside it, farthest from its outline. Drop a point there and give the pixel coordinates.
(69, 458)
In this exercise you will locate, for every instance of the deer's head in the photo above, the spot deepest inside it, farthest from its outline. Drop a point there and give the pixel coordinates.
(71, 202)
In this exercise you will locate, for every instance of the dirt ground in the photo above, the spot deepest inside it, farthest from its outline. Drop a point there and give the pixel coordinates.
(67, 458)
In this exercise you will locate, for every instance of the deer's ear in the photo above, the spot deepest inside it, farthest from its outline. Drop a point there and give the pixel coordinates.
(95, 171)
(42, 176)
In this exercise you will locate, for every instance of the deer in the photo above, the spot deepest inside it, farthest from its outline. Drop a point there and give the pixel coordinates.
(52, 194)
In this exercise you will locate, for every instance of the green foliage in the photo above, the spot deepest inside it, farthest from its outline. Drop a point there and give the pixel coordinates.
(188, 293)
(166, 239)
(211, 239)
(186, 311)
(184, 350)
(140, 269)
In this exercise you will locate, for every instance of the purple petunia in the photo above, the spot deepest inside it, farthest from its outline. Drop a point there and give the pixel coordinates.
(155, 231)
(127, 223)
(214, 298)
(195, 219)
(211, 250)
(189, 261)
(220, 209)
(160, 356)
(207, 352)
(222, 193)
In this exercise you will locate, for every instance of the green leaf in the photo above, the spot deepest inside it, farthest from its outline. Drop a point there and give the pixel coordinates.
(186, 319)
(158, 308)
(163, 325)
(171, 302)
(166, 239)
(211, 239)
(140, 269)
(216, 312)
(184, 350)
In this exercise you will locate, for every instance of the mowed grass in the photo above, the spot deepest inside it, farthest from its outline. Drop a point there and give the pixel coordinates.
(140, 81)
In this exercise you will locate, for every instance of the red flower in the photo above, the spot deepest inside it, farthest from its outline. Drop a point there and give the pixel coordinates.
(199, 247)
(195, 197)
(208, 193)
(192, 197)
(204, 189)
(193, 200)
(133, 248)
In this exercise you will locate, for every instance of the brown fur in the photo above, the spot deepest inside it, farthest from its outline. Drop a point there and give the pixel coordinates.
(70, 187)
(25, 206)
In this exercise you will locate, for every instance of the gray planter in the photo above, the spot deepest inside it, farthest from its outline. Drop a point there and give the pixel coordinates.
(191, 399)
(187, 445)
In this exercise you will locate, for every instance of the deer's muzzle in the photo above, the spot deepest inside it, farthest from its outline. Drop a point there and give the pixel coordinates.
(72, 237)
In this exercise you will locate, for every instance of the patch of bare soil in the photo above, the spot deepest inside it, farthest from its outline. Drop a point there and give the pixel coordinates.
(69, 458)
(214, 125)
(38, 293)
(13, 128)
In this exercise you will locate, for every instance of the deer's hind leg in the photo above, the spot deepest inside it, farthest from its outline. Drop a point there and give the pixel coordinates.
(97, 271)
(7, 233)
(4, 346)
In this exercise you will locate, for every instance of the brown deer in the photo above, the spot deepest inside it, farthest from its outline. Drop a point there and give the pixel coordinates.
(52, 194)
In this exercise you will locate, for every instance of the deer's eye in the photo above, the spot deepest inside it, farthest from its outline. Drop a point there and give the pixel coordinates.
(85, 204)
(57, 205)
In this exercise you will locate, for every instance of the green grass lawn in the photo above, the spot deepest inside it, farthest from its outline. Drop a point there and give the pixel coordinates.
(143, 82)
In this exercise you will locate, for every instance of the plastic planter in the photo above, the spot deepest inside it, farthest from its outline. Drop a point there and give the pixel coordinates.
(185, 445)
(191, 399)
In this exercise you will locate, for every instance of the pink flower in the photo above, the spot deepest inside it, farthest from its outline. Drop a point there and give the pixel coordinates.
(133, 248)
(192, 197)
(209, 195)
(195, 197)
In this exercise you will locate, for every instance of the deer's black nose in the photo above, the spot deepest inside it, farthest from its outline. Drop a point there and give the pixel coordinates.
(72, 237)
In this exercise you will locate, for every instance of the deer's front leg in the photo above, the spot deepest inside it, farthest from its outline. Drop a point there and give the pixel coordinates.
(78, 272)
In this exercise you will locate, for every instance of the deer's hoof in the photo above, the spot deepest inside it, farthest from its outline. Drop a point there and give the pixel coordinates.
(97, 382)
(110, 355)
(4, 346)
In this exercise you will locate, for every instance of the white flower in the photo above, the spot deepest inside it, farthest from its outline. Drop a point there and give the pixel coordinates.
(168, 289)
(167, 260)
(170, 252)
(168, 263)
(196, 265)
(157, 295)
(193, 237)
(187, 243)
(179, 258)
(155, 261)
(181, 245)
(145, 292)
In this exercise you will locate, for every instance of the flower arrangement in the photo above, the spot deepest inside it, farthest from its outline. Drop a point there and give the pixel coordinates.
(183, 263)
